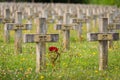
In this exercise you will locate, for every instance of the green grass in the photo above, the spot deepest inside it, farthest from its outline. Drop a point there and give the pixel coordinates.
(79, 63)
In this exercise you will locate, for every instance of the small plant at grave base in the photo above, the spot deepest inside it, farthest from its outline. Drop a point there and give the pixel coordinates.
(54, 55)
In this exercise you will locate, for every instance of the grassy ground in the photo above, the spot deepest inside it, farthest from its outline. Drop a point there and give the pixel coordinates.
(79, 63)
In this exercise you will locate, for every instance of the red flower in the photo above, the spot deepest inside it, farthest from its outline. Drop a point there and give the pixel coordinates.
(53, 49)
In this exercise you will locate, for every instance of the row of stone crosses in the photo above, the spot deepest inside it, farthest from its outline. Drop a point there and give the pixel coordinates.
(66, 17)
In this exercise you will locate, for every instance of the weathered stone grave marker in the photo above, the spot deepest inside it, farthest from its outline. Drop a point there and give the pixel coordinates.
(18, 27)
(103, 37)
(40, 39)
(110, 26)
(113, 27)
(79, 23)
(4, 20)
(66, 31)
(33, 17)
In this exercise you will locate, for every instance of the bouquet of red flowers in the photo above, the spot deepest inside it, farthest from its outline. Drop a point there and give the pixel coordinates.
(53, 49)
(54, 54)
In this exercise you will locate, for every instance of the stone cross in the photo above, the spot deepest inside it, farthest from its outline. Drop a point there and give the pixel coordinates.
(114, 26)
(103, 37)
(66, 31)
(40, 39)
(79, 22)
(4, 20)
(18, 27)
(33, 16)
(111, 25)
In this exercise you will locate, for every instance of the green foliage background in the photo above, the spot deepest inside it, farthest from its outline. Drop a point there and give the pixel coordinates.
(103, 2)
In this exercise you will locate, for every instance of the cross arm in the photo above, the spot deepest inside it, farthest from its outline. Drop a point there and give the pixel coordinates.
(73, 15)
(49, 20)
(13, 26)
(114, 26)
(65, 26)
(31, 38)
(102, 36)
(8, 20)
(77, 20)
(60, 17)
(88, 17)
(94, 16)
(33, 16)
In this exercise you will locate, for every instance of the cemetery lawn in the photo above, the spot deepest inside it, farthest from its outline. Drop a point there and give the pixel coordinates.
(81, 62)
